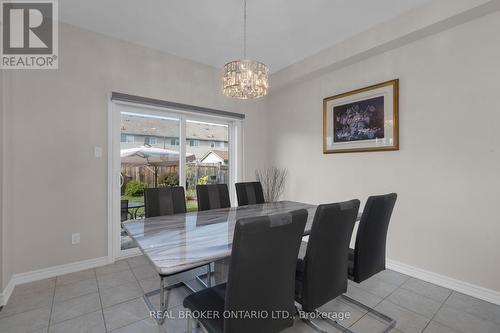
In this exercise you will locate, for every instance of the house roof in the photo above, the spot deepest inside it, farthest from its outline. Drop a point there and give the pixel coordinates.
(137, 125)
(222, 154)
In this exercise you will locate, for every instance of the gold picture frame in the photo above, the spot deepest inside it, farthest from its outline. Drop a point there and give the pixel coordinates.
(362, 120)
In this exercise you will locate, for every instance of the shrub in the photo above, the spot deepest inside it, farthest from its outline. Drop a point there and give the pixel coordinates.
(190, 194)
(203, 180)
(170, 179)
(135, 188)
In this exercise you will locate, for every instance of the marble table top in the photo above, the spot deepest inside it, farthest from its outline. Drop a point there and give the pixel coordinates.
(179, 242)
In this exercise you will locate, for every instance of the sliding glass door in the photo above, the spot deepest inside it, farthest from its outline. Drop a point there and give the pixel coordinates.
(158, 148)
(149, 157)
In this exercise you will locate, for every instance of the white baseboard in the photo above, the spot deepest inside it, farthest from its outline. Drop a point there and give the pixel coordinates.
(5, 294)
(49, 272)
(466, 288)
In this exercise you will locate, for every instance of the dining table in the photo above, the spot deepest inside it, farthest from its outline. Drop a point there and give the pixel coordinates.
(181, 242)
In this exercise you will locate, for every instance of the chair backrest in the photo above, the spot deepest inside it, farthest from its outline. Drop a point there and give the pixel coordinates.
(326, 259)
(369, 253)
(164, 201)
(262, 271)
(124, 210)
(249, 193)
(212, 196)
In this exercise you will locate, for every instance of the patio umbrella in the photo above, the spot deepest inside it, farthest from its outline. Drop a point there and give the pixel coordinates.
(152, 156)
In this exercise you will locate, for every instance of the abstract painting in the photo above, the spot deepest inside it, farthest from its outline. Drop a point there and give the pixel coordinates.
(361, 120)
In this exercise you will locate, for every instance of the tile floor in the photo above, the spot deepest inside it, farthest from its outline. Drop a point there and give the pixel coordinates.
(109, 299)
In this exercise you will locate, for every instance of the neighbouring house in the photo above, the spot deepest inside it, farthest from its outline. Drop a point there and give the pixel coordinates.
(215, 157)
(202, 138)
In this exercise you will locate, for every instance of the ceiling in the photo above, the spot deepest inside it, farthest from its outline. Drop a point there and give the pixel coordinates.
(280, 32)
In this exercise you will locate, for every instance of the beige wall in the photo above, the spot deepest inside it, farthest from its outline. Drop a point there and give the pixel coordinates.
(1, 177)
(55, 186)
(446, 173)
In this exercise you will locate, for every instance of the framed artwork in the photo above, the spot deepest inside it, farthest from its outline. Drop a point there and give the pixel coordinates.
(362, 120)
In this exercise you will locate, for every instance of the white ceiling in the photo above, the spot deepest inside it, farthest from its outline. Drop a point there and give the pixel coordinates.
(280, 32)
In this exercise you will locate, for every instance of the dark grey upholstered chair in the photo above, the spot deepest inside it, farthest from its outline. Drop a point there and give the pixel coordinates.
(164, 201)
(322, 274)
(124, 210)
(249, 193)
(212, 196)
(261, 276)
(368, 256)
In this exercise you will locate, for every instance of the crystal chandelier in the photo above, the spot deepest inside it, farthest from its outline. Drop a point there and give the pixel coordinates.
(245, 78)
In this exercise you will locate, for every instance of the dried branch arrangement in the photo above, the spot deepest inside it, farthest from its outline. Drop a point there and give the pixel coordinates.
(273, 182)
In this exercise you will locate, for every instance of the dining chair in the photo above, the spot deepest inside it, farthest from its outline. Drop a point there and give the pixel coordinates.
(321, 275)
(261, 278)
(212, 196)
(368, 256)
(249, 193)
(124, 210)
(160, 201)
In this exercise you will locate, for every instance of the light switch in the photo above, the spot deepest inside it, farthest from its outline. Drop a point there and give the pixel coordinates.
(75, 239)
(98, 152)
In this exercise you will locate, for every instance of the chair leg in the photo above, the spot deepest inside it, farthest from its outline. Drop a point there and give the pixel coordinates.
(391, 323)
(314, 326)
(209, 275)
(189, 325)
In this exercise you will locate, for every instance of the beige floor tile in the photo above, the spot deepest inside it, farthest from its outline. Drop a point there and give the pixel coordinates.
(121, 293)
(123, 314)
(75, 307)
(26, 321)
(115, 279)
(137, 261)
(144, 272)
(89, 323)
(427, 289)
(407, 321)
(464, 322)
(417, 303)
(435, 327)
(19, 303)
(75, 277)
(475, 306)
(72, 290)
(36, 286)
(118, 266)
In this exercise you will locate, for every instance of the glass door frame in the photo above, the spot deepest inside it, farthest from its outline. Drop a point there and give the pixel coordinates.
(235, 149)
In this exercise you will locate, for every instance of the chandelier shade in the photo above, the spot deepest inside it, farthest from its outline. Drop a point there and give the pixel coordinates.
(245, 79)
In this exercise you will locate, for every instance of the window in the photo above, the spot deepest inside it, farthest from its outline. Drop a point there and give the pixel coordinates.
(174, 141)
(126, 138)
(221, 144)
(194, 143)
(212, 144)
(151, 140)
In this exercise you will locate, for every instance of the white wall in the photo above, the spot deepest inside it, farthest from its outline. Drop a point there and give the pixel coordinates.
(54, 185)
(446, 173)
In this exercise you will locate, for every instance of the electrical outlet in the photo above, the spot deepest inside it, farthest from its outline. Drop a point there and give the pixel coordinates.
(75, 239)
